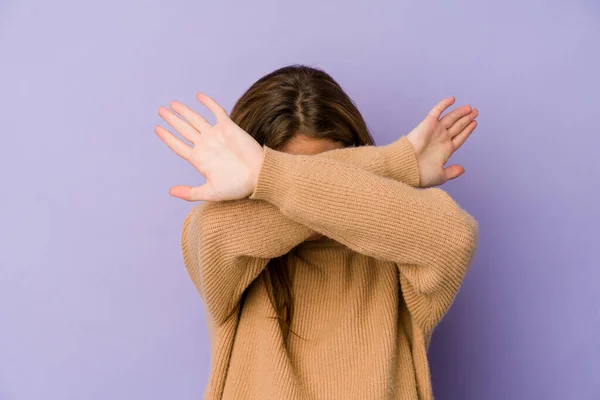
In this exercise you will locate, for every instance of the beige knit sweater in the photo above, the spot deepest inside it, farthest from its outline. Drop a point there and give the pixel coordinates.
(367, 296)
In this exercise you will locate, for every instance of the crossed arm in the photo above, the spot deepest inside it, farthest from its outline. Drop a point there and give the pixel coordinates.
(366, 198)
(251, 232)
(227, 244)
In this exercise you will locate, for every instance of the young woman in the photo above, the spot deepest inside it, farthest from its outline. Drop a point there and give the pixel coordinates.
(324, 261)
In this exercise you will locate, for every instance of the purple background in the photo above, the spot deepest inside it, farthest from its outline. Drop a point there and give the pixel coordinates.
(94, 300)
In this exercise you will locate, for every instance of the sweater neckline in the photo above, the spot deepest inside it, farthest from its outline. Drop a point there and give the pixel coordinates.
(323, 242)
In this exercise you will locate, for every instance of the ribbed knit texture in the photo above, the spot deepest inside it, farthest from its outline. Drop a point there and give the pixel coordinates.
(367, 297)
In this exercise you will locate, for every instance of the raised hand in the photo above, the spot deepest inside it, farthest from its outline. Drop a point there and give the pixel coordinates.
(435, 139)
(228, 157)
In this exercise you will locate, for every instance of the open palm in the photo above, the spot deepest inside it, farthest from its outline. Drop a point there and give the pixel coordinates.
(436, 138)
(227, 156)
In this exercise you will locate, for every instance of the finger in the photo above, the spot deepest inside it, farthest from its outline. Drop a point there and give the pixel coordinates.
(457, 127)
(218, 111)
(455, 115)
(189, 193)
(181, 149)
(185, 129)
(459, 139)
(195, 119)
(453, 171)
(441, 107)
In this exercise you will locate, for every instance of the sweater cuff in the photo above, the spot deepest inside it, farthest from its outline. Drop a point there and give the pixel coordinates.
(274, 177)
(401, 161)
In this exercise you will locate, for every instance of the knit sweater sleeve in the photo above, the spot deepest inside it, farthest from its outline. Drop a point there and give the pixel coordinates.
(424, 231)
(226, 244)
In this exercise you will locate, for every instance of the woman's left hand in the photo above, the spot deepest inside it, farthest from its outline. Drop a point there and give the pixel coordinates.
(436, 139)
(228, 157)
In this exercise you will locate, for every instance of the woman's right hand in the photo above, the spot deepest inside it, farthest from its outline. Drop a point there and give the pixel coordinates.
(436, 138)
(227, 156)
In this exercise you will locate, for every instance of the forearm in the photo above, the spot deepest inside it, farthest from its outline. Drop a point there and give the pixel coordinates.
(423, 231)
(349, 204)
(396, 160)
(260, 225)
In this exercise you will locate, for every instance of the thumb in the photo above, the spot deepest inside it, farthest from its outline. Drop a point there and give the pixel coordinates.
(190, 193)
(453, 171)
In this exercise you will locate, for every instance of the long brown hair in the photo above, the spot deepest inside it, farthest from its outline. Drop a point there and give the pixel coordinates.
(292, 100)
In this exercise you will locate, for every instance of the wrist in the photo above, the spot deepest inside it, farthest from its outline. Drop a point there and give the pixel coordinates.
(272, 176)
(416, 146)
(401, 162)
(256, 165)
